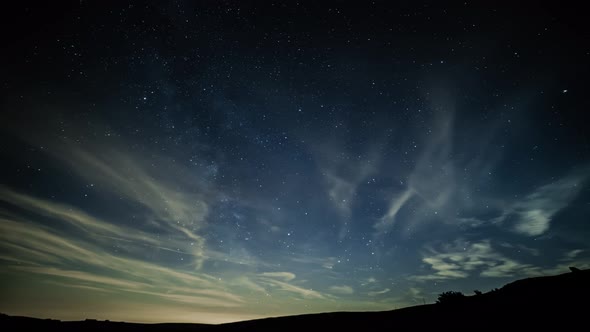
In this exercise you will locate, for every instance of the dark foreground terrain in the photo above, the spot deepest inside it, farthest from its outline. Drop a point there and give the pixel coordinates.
(558, 302)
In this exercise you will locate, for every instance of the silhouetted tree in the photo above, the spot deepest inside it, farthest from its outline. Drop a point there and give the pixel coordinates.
(450, 297)
(477, 292)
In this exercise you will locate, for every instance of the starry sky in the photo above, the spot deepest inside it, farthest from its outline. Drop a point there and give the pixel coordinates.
(215, 161)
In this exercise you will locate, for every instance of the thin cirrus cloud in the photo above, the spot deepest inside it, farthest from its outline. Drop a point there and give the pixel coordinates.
(286, 276)
(85, 264)
(343, 173)
(102, 232)
(172, 199)
(342, 289)
(280, 280)
(80, 263)
(66, 245)
(171, 204)
(34, 244)
(533, 214)
(74, 217)
(434, 187)
(387, 221)
(432, 180)
(342, 190)
(325, 262)
(380, 292)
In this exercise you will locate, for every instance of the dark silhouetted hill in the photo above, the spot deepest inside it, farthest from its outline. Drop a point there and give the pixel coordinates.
(555, 302)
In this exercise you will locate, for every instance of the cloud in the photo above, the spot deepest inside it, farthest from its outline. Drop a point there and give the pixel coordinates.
(471, 222)
(395, 205)
(381, 292)
(172, 198)
(159, 254)
(343, 173)
(533, 214)
(415, 295)
(248, 284)
(60, 241)
(325, 262)
(432, 180)
(37, 245)
(83, 276)
(165, 197)
(85, 264)
(462, 259)
(433, 177)
(341, 192)
(569, 258)
(287, 276)
(434, 187)
(193, 298)
(272, 279)
(307, 293)
(343, 290)
(573, 253)
(97, 230)
(171, 203)
(521, 247)
(73, 216)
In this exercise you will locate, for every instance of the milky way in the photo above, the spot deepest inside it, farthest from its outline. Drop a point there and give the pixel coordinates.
(231, 160)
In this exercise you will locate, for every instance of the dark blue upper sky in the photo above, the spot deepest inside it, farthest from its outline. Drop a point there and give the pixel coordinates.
(226, 160)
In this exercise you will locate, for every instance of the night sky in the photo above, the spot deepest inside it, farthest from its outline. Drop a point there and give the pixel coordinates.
(216, 161)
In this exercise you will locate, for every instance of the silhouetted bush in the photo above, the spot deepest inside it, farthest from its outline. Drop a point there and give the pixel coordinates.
(477, 292)
(450, 297)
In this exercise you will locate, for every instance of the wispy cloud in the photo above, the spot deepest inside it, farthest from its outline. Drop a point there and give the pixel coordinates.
(29, 246)
(342, 290)
(83, 251)
(573, 254)
(172, 202)
(97, 230)
(248, 283)
(521, 248)
(432, 180)
(395, 205)
(341, 192)
(343, 173)
(158, 254)
(271, 279)
(286, 276)
(73, 216)
(380, 292)
(84, 276)
(533, 214)
(165, 195)
(435, 188)
(325, 262)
